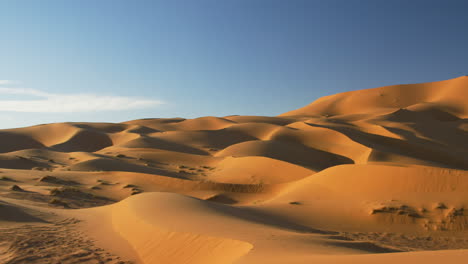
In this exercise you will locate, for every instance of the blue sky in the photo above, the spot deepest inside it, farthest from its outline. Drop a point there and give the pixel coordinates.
(119, 60)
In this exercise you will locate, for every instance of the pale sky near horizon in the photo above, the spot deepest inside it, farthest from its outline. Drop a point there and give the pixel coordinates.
(114, 60)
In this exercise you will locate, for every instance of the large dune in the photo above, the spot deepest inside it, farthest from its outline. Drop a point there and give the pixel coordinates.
(444, 96)
(342, 180)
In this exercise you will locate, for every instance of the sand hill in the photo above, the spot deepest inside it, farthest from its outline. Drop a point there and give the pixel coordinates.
(343, 180)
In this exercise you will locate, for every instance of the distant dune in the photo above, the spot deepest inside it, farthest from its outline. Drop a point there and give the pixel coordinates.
(342, 180)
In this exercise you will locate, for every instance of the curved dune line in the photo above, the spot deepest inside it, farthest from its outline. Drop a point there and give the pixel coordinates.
(157, 245)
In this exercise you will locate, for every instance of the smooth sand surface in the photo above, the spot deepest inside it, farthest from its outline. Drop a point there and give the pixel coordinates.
(370, 176)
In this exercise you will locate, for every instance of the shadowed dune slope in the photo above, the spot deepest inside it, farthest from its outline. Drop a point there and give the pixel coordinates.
(285, 151)
(158, 143)
(12, 141)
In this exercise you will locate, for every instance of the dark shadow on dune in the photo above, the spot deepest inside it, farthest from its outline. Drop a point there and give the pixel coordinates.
(218, 139)
(58, 181)
(162, 120)
(20, 162)
(441, 130)
(412, 147)
(274, 120)
(222, 199)
(291, 152)
(84, 140)
(262, 217)
(403, 115)
(363, 246)
(142, 130)
(107, 164)
(10, 141)
(157, 143)
(102, 127)
(445, 134)
(9, 212)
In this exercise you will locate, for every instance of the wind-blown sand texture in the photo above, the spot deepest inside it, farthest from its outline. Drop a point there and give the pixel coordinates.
(370, 176)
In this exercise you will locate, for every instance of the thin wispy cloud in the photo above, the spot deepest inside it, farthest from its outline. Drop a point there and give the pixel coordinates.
(62, 103)
(6, 82)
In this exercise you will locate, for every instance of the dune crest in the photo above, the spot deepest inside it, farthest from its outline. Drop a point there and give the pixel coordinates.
(448, 96)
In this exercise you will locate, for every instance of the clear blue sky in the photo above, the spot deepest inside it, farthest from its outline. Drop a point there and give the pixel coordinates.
(71, 60)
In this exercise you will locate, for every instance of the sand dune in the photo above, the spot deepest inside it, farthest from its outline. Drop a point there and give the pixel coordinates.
(170, 124)
(342, 180)
(286, 151)
(12, 141)
(211, 139)
(448, 96)
(257, 169)
(157, 143)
